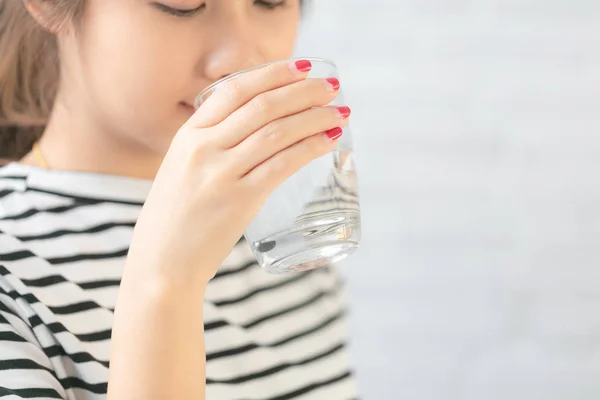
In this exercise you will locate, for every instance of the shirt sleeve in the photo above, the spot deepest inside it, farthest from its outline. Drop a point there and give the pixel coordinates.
(25, 370)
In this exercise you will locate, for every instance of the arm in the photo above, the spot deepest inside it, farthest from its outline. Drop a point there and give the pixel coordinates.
(158, 341)
(221, 166)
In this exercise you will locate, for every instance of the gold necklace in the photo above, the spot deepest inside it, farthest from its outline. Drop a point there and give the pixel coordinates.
(39, 157)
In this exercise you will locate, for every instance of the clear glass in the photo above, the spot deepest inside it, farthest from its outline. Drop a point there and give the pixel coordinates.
(313, 218)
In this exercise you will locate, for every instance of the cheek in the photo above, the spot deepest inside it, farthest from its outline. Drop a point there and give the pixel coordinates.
(135, 69)
(279, 40)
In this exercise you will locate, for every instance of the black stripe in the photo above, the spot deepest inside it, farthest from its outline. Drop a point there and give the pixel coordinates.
(28, 297)
(99, 284)
(8, 310)
(215, 325)
(295, 278)
(34, 211)
(57, 327)
(22, 363)
(291, 309)
(6, 192)
(74, 308)
(313, 386)
(16, 255)
(228, 272)
(65, 232)
(84, 199)
(4, 271)
(35, 321)
(278, 368)
(231, 352)
(74, 382)
(14, 177)
(87, 257)
(78, 358)
(251, 346)
(94, 336)
(11, 337)
(30, 393)
(44, 282)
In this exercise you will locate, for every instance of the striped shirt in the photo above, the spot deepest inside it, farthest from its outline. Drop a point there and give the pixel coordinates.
(63, 241)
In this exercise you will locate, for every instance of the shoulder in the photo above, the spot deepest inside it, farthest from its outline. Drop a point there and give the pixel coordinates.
(18, 199)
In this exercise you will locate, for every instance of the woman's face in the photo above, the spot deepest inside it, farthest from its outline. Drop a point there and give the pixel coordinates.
(138, 64)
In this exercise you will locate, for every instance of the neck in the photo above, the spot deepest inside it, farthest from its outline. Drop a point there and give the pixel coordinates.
(73, 142)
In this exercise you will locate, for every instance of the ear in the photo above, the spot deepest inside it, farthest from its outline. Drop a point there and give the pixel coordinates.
(46, 14)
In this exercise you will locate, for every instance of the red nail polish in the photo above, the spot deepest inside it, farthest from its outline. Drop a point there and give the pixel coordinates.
(334, 82)
(334, 134)
(303, 65)
(344, 111)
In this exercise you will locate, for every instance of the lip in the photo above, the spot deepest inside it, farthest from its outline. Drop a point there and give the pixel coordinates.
(187, 105)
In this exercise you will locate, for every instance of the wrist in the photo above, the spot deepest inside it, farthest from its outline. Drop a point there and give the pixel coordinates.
(160, 283)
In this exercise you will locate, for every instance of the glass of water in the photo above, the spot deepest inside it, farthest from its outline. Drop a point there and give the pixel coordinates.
(313, 218)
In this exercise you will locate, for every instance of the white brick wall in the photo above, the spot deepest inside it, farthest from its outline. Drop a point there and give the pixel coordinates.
(477, 128)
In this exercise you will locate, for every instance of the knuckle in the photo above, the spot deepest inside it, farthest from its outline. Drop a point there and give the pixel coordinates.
(263, 104)
(273, 131)
(191, 144)
(233, 90)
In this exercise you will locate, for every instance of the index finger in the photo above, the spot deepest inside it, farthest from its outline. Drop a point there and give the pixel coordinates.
(236, 90)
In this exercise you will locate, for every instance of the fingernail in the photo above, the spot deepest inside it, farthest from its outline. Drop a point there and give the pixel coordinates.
(301, 66)
(334, 134)
(333, 84)
(344, 111)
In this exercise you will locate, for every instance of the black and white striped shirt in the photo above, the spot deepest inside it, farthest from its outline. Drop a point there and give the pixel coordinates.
(63, 241)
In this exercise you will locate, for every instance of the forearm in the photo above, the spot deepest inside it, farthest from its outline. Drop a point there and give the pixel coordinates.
(157, 349)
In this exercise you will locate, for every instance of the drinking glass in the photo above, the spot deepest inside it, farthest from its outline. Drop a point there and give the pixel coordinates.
(313, 218)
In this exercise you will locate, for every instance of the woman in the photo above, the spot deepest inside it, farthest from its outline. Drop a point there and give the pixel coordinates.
(111, 84)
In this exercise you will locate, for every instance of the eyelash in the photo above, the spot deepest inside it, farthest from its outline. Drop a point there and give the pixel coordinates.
(188, 13)
(179, 12)
(270, 5)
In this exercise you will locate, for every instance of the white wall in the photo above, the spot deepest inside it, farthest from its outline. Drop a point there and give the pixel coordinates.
(477, 128)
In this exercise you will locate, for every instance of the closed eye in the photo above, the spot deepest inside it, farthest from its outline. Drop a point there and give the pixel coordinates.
(270, 5)
(178, 12)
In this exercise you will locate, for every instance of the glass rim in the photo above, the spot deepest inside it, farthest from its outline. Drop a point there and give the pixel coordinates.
(213, 85)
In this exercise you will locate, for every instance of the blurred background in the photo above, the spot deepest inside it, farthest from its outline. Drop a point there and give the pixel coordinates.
(477, 133)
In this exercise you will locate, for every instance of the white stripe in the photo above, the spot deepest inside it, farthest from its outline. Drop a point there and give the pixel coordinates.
(264, 304)
(263, 358)
(294, 378)
(31, 379)
(24, 202)
(91, 243)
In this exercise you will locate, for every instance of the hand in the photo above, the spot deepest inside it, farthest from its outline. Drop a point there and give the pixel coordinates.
(251, 135)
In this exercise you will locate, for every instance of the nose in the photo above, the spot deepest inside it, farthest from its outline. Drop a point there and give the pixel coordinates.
(234, 48)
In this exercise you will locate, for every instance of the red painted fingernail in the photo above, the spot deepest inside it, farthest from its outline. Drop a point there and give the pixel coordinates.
(334, 82)
(344, 111)
(334, 134)
(303, 65)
